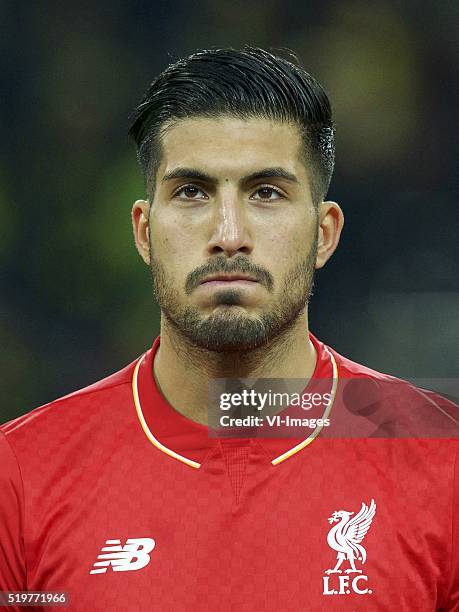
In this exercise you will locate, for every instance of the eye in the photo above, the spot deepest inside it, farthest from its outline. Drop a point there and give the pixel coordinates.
(267, 194)
(190, 192)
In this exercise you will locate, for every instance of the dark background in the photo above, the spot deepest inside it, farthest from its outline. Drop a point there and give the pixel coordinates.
(76, 300)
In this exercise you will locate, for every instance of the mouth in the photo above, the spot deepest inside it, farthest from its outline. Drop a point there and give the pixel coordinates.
(228, 279)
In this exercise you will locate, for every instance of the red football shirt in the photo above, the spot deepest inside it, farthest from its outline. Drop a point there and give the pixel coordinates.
(113, 496)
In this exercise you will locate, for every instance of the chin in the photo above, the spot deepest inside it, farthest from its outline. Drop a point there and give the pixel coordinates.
(228, 347)
(228, 332)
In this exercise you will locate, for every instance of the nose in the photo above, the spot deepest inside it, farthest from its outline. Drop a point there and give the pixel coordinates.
(230, 233)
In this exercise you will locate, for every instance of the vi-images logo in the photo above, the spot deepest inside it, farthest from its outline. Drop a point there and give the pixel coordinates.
(132, 556)
(345, 538)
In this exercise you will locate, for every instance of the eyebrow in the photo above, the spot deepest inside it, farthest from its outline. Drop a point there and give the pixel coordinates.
(271, 173)
(189, 173)
(193, 173)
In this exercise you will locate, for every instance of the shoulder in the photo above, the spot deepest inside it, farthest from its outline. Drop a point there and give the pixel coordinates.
(402, 407)
(73, 411)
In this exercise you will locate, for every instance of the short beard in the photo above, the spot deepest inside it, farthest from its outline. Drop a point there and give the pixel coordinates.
(231, 329)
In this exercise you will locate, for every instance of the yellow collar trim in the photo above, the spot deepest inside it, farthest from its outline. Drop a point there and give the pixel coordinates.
(195, 464)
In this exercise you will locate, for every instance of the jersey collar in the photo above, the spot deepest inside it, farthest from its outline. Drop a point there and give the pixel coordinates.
(189, 442)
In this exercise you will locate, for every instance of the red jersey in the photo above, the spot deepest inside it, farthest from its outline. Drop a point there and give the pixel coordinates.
(114, 497)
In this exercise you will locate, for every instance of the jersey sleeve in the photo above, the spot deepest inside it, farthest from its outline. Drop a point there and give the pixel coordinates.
(12, 559)
(453, 594)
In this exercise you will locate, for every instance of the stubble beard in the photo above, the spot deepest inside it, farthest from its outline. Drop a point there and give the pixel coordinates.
(230, 328)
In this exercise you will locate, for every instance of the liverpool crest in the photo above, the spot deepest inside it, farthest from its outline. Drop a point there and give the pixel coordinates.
(345, 537)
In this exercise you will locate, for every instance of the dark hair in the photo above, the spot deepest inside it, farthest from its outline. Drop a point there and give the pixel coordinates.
(245, 83)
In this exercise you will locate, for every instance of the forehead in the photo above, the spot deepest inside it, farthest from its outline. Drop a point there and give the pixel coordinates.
(231, 145)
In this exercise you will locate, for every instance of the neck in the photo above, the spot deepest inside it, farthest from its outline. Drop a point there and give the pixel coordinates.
(182, 370)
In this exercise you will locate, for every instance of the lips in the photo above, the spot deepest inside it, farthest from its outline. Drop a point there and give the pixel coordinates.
(228, 278)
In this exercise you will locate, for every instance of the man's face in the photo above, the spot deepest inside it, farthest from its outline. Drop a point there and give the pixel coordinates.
(232, 197)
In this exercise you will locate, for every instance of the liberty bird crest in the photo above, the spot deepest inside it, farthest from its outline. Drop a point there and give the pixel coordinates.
(346, 536)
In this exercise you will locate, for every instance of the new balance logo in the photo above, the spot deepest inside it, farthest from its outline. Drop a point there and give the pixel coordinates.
(132, 556)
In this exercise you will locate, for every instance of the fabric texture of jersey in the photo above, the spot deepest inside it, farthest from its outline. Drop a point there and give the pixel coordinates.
(114, 497)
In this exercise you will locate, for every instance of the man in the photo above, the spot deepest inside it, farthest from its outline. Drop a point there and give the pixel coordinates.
(123, 496)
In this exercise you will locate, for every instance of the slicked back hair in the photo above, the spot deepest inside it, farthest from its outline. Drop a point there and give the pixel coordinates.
(246, 83)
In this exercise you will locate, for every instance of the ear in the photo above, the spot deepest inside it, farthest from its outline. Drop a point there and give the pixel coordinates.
(140, 216)
(331, 222)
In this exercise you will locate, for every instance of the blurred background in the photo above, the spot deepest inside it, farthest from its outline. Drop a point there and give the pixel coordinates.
(76, 300)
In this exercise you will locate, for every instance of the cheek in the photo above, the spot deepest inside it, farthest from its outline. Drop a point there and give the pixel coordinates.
(172, 230)
(166, 236)
(284, 244)
(176, 248)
